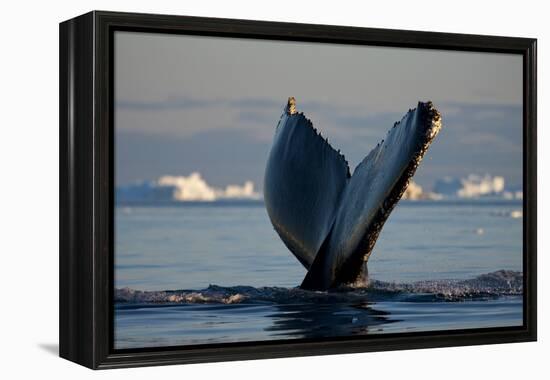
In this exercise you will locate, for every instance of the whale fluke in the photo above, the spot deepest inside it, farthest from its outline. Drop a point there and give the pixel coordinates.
(329, 219)
(303, 181)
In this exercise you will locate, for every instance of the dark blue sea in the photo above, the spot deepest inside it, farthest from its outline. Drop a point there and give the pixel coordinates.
(201, 273)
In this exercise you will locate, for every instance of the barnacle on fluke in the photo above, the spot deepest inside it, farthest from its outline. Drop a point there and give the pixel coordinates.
(328, 218)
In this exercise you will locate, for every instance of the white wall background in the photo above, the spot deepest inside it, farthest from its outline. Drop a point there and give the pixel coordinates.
(29, 187)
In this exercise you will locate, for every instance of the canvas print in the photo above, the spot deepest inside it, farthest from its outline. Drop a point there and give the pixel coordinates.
(279, 190)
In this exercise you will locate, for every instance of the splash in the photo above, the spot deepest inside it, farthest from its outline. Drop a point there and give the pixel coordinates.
(485, 286)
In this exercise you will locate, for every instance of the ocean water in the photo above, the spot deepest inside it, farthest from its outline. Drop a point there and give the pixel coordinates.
(210, 273)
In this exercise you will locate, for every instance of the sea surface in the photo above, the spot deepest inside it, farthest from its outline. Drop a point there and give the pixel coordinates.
(202, 273)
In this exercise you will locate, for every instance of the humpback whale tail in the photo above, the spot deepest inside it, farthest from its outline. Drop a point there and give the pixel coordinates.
(328, 218)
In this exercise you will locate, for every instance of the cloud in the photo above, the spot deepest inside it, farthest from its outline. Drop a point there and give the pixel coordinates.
(192, 188)
(221, 156)
(165, 104)
(228, 139)
(187, 102)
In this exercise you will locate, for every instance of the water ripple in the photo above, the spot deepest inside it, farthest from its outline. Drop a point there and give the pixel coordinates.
(490, 285)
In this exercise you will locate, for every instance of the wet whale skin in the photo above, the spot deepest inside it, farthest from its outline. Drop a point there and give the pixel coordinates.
(329, 219)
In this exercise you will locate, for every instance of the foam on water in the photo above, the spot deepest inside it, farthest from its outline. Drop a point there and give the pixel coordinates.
(490, 285)
(494, 284)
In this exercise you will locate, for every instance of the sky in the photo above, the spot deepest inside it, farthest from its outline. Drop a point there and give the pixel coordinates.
(188, 104)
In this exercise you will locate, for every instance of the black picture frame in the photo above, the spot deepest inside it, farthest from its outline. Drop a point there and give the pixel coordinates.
(87, 188)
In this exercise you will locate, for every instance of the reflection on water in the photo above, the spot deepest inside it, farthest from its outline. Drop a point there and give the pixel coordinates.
(243, 313)
(328, 320)
(174, 325)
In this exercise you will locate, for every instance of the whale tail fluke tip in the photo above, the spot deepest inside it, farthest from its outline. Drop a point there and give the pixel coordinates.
(291, 105)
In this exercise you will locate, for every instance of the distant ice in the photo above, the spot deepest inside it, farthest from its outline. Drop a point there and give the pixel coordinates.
(415, 192)
(191, 188)
(475, 186)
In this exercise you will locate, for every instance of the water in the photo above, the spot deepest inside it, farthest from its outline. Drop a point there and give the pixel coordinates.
(232, 279)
